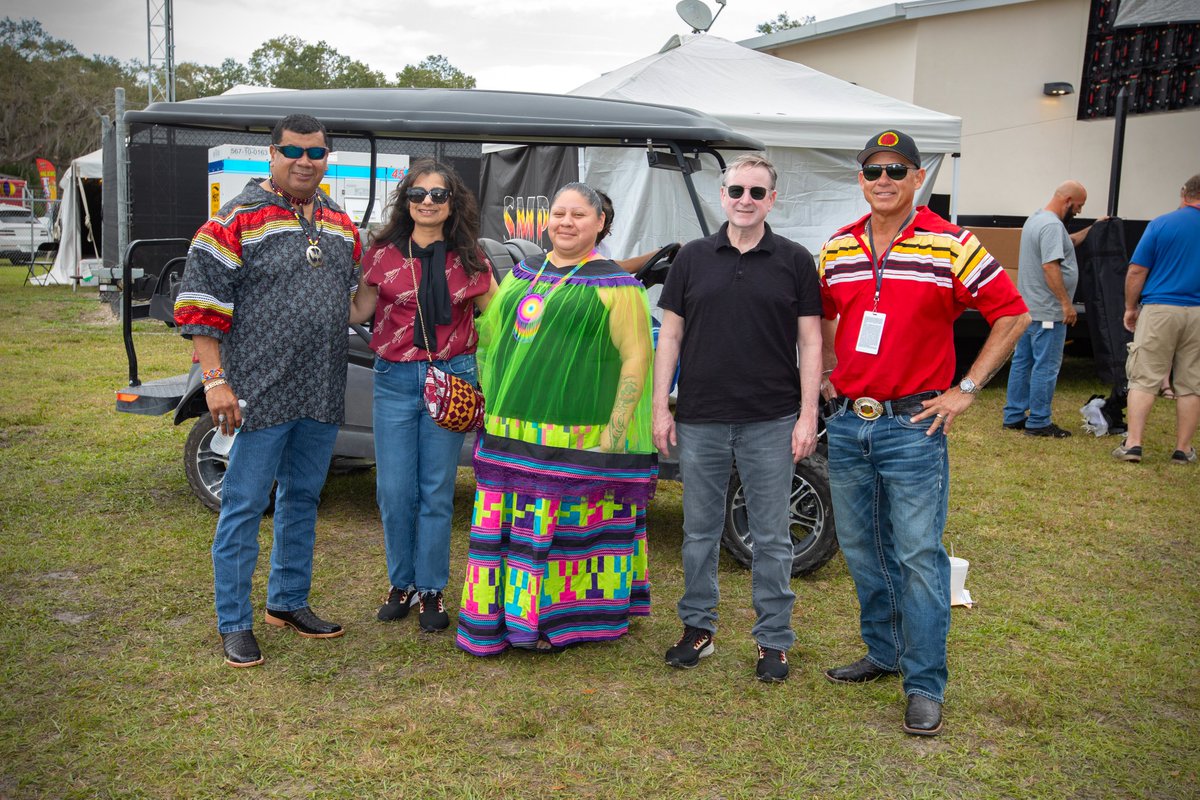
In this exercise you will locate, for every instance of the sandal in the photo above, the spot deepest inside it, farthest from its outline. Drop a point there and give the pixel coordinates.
(545, 646)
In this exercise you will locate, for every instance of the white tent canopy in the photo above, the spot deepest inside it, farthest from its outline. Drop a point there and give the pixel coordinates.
(813, 125)
(70, 247)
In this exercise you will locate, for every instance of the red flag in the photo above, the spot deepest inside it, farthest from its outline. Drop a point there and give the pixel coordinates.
(49, 178)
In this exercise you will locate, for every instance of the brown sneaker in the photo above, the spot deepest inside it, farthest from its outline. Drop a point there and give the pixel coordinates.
(1131, 454)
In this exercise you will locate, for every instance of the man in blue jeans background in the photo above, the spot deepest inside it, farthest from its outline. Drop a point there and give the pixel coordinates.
(1047, 274)
(892, 284)
(736, 306)
(266, 301)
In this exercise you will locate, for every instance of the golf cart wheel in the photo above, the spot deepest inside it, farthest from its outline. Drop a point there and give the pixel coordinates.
(810, 518)
(205, 469)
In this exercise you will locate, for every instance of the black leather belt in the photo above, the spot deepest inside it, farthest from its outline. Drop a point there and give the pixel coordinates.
(869, 408)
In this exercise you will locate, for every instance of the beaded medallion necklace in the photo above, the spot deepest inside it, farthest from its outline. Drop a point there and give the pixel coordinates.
(313, 252)
(533, 304)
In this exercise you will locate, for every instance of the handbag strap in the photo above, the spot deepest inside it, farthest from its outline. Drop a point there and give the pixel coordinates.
(417, 296)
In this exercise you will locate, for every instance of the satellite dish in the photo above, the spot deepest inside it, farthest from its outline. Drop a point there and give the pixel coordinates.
(694, 13)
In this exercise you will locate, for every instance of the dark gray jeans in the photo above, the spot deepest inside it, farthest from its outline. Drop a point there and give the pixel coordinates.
(763, 452)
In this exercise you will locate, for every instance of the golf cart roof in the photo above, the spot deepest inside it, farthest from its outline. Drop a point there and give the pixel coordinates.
(461, 115)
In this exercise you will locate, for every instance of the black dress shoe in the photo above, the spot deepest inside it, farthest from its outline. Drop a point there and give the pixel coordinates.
(241, 649)
(923, 717)
(860, 671)
(304, 622)
(1019, 425)
(1051, 430)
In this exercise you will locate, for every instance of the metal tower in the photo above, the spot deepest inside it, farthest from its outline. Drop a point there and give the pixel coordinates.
(160, 44)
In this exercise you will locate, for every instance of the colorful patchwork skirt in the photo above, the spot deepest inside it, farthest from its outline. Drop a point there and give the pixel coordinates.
(561, 569)
(557, 546)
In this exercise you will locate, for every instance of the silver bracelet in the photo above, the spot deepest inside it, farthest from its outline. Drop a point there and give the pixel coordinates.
(213, 384)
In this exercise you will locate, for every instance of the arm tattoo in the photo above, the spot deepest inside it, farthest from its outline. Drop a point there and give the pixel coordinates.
(628, 393)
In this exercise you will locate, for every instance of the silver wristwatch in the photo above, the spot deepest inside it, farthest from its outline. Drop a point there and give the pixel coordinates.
(969, 386)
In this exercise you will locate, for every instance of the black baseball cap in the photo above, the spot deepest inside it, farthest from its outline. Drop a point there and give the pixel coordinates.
(891, 141)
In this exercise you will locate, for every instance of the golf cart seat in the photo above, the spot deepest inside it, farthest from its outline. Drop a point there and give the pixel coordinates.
(166, 289)
(521, 249)
(502, 260)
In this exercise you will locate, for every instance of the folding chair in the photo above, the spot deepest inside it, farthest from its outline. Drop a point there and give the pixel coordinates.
(42, 261)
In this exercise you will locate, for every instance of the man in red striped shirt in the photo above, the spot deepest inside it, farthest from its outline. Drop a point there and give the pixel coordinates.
(892, 284)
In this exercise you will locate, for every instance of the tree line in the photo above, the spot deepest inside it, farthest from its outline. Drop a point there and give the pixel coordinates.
(52, 96)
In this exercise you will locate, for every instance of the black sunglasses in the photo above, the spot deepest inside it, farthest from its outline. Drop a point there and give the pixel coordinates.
(897, 172)
(418, 195)
(736, 192)
(295, 151)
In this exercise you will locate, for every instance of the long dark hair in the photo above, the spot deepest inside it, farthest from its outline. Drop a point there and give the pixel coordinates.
(461, 228)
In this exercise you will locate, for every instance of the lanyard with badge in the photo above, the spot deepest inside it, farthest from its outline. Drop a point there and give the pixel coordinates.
(870, 333)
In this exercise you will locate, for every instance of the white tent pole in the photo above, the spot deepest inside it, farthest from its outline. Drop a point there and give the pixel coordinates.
(954, 188)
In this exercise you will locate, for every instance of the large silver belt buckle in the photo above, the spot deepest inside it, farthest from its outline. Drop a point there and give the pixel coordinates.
(868, 408)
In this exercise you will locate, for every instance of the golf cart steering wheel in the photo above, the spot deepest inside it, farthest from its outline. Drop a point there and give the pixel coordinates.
(654, 271)
(362, 333)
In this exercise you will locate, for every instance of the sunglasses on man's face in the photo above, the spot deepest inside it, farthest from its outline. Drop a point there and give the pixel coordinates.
(295, 151)
(897, 172)
(736, 192)
(418, 195)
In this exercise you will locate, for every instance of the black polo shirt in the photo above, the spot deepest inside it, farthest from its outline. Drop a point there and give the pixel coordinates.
(739, 361)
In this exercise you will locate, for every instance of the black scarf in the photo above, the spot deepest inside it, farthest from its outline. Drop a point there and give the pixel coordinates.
(433, 294)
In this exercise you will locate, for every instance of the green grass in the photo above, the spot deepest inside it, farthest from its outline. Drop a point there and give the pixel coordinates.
(1074, 676)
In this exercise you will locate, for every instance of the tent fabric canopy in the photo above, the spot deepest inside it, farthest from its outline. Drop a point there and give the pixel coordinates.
(780, 102)
(813, 125)
(70, 251)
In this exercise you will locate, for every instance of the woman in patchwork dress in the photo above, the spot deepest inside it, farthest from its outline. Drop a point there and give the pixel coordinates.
(566, 464)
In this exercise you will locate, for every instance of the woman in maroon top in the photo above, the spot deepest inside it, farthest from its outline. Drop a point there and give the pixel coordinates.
(426, 254)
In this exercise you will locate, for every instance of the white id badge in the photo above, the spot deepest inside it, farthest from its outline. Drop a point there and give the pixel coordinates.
(870, 333)
(1048, 324)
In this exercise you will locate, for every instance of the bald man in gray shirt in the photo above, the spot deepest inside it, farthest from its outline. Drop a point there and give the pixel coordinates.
(1047, 274)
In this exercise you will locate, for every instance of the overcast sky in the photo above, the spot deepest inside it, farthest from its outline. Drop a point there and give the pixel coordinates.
(531, 45)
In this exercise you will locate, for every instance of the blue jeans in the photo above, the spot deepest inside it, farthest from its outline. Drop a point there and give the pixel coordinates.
(763, 452)
(296, 455)
(1033, 374)
(890, 485)
(416, 463)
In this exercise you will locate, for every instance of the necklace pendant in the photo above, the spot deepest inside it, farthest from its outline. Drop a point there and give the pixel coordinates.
(313, 254)
(529, 317)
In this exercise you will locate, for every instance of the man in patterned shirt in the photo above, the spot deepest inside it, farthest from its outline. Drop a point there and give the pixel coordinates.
(265, 299)
(892, 284)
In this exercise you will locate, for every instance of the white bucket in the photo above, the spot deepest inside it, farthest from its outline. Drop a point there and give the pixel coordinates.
(958, 581)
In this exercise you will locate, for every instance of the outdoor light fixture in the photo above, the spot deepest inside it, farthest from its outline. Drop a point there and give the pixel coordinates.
(696, 14)
(1058, 89)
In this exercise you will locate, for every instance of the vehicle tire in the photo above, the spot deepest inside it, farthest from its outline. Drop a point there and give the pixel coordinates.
(205, 469)
(814, 537)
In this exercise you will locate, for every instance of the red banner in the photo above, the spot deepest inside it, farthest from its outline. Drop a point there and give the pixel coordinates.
(49, 178)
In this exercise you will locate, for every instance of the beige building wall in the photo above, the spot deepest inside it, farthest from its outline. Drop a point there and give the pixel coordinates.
(988, 67)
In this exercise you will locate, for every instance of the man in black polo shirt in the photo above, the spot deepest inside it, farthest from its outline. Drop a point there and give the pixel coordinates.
(735, 307)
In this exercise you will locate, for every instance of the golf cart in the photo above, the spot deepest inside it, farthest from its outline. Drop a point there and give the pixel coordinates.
(674, 138)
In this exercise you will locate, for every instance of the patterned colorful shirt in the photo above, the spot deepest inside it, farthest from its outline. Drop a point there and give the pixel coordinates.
(934, 272)
(282, 323)
(396, 311)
